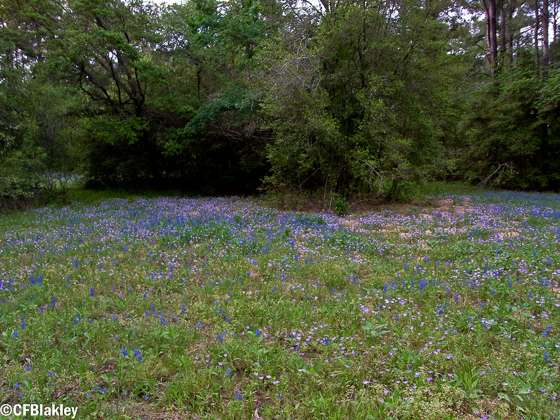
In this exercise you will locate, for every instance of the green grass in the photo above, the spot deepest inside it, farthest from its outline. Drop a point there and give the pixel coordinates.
(218, 308)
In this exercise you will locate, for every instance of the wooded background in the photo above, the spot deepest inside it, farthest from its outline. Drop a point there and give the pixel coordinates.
(281, 95)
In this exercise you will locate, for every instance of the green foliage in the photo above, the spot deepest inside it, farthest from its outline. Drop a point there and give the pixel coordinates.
(359, 109)
(222, 97)
(512, 132)
(21, 179)
(341, 205)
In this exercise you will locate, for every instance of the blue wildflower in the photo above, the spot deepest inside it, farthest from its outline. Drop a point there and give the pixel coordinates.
(138, 355)
(124, 351)
(547, 331)
(325, 341)
(102, 389)
(53, 302)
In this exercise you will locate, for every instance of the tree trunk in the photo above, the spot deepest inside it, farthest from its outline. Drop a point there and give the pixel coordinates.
(545, 23)
(554, 20)
(491, 33)
(536, 40)
(504, 5)
(509, 31)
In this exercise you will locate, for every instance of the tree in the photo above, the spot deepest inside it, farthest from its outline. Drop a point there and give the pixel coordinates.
(491, 33)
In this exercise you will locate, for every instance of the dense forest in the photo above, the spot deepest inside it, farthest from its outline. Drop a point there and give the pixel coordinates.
(238, 96)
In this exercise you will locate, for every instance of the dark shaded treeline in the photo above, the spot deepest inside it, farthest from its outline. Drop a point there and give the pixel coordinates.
(220, 97)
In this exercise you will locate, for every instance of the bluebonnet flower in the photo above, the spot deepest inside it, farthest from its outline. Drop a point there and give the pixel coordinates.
(53, 302)
(422, 284)
(325, 341)
(258, 332)
(238, 395)
(15, 334)
(547, 331)
(124, 352)
(544, 282)
(354, 279)
(91, 292)
(546, 357)
(23, 324)
(102, 389)
(138, 355)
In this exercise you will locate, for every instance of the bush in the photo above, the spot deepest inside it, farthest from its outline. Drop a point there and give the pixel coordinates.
(24, 182)
(513, 135)
(347, 126)
(341, 205)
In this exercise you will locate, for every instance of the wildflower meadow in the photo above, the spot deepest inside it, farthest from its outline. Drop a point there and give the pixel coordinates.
(225, 308)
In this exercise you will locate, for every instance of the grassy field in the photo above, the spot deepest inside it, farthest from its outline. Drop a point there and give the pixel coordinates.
(221, 308)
